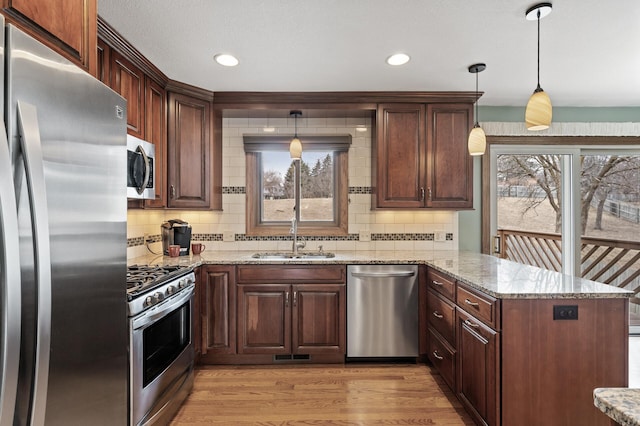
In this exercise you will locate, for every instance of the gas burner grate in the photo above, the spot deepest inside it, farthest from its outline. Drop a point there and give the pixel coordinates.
(141, 278)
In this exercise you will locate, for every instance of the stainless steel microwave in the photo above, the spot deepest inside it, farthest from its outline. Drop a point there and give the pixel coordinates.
(141, 172)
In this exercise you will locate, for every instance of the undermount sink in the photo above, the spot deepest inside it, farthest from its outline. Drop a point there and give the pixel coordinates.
(291, 255)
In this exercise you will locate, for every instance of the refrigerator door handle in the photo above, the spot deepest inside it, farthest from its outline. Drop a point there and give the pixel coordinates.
(10, 286)
(32, 153)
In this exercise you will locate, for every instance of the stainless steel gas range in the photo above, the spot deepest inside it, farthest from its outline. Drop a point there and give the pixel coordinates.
(161, 355)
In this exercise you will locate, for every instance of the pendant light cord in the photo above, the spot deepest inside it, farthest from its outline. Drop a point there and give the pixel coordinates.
(538, 88)
(477, 99)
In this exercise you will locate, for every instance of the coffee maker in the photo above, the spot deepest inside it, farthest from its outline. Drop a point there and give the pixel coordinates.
(176, 232)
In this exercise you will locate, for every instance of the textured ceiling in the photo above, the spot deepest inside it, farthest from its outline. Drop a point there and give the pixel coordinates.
(590, 49)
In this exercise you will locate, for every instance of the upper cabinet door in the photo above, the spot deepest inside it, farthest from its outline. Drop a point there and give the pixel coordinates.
(67, 26)
(449, 165)
(156, 133)
(189, 152)
(128, 81)
(400, 156)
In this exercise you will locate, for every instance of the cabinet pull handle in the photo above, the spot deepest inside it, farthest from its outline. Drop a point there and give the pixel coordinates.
(172, 191)
(429, 193)
(438, 356)
(471, 324)
(438, 315)
(295, 298)
(470, 303)
(422, 193)
(438, 283)
(286, 299)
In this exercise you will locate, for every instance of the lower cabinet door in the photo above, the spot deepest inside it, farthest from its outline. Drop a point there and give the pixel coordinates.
(478, 383)
(319, 313)
(443, 358)
(264, 319)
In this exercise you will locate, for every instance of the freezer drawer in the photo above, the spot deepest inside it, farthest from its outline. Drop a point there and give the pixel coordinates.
(382, 311)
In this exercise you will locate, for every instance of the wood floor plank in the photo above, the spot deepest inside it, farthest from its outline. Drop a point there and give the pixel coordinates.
(353, 394)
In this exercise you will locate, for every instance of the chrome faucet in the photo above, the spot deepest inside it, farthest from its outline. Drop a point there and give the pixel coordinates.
(296, 244)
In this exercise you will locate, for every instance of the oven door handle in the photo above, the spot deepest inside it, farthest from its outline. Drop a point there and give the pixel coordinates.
(152, 315)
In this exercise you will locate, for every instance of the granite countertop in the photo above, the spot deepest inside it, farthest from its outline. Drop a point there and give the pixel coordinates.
(499, 278)
(621, 404)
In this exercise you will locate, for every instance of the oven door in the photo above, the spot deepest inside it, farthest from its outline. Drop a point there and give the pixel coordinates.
(162, 357)
(140, 169)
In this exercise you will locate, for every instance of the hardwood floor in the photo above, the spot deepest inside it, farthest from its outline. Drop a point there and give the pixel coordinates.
(351, 394)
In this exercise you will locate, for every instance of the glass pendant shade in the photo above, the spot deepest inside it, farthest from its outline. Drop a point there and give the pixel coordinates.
(477, 141)
(295, 148)
(539, 111)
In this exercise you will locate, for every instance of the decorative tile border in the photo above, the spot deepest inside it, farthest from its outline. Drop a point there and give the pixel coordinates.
(360, 190)
(242, 190)
(138, 241)
(233, 190)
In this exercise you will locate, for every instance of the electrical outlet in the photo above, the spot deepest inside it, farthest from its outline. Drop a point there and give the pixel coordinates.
(365, 236)
(440, 236)
(565, 312)
(146, 238)
(228, 236)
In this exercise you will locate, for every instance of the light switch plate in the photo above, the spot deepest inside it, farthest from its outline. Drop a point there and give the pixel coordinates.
(440, 236)
(228, 236)
(365, 236)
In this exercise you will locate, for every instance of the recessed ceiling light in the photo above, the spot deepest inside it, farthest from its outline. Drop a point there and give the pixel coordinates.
(398, 59)
(226, 60)
(361, 128)
(268, 129)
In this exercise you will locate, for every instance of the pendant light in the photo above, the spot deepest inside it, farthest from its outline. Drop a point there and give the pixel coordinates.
(477, 139)
(295, 147)
(539, 111)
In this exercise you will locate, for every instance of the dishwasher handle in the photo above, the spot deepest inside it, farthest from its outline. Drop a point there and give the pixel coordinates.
(383, 274)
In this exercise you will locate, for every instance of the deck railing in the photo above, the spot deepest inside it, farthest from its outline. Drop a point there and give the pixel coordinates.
(613, 262)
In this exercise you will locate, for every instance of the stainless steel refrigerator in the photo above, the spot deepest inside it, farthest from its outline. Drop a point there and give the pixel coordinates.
(62, 241)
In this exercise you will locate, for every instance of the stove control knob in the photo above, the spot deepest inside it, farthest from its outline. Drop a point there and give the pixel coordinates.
(158, 296)
(181, 284)
(170, 290)
(189, 281)
(148, 301)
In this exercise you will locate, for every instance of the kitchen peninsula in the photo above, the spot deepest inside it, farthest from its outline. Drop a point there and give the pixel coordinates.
(522, 345)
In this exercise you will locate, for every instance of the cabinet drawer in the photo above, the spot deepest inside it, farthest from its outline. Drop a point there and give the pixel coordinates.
(441, 315)
(255, 274)
(480, 305)
(443, 358)
(441, 283)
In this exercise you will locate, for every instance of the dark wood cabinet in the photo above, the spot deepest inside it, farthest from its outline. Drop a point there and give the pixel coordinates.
(67, 26)
(217, 311)
(318, 319)
(478, 368)
(189, 149)
(128, 81)
(299, 319)
(155, 130)
(421, 156)
(264, 319)
(400, 156)
(295, 312)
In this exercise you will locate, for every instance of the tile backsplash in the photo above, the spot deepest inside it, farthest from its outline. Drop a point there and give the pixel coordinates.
(368, 229)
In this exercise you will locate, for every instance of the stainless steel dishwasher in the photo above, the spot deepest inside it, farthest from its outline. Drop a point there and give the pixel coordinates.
(382, 311)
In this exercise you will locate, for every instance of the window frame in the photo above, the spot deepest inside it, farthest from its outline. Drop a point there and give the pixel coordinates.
(338, 144)
(572, 147)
